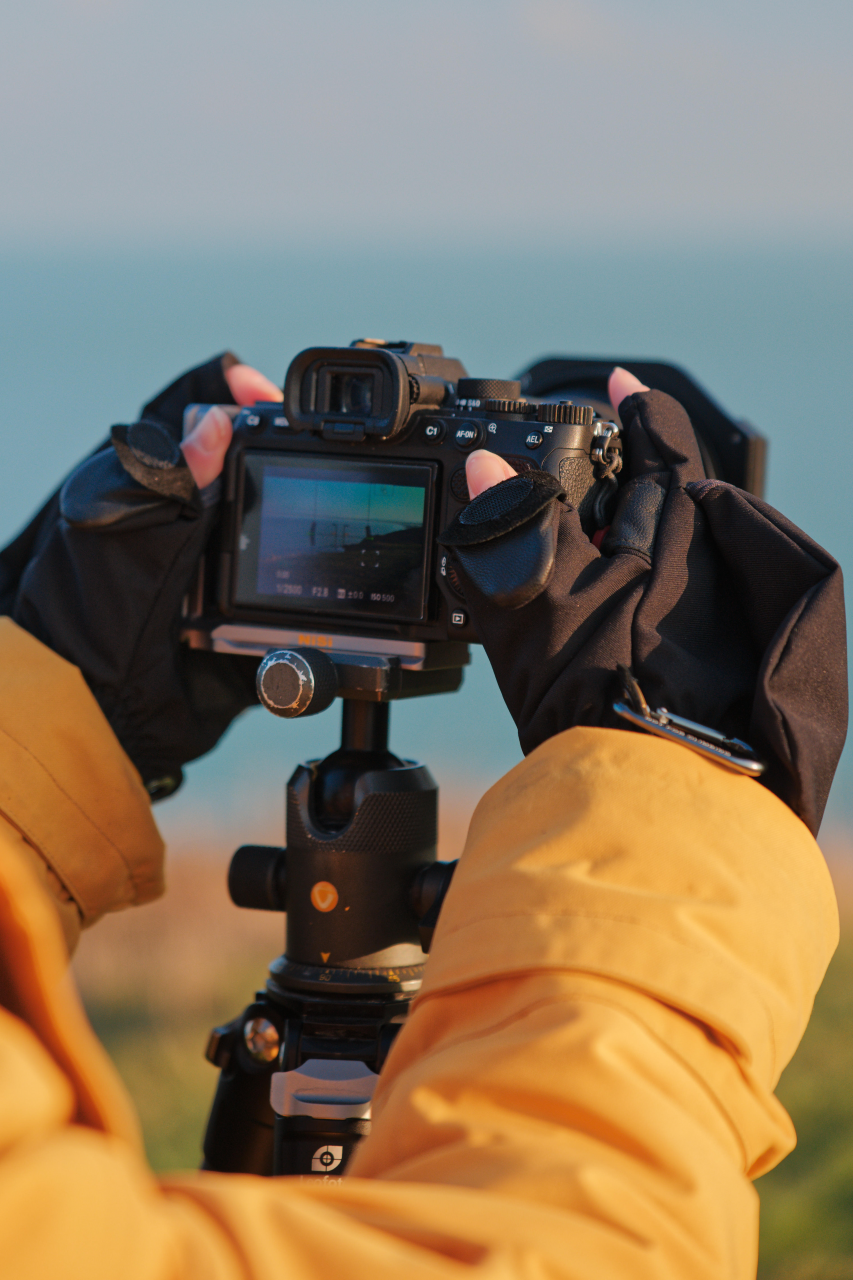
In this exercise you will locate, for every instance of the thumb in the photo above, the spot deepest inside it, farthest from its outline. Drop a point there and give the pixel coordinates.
(484, 469)
(206, 445)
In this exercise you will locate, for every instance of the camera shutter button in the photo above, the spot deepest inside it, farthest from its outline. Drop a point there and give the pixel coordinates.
(468, 435)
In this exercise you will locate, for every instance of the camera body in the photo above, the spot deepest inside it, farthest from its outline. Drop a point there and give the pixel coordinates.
(333, 501)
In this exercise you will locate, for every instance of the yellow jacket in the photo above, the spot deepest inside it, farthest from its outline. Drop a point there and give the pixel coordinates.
(624, 964)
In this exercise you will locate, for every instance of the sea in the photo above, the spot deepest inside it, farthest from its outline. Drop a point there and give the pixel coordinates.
(87, 335)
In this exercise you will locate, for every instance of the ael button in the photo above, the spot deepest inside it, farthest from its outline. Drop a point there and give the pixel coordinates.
(533, 439)
(468, 435)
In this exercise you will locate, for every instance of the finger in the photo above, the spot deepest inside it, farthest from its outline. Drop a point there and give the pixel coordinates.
(484, 469)
(620, 384)
(205, 384)
(206, 445)
(248, 385)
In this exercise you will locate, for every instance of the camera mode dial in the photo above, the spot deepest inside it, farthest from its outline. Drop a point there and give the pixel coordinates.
(469, 389)
(296, 682)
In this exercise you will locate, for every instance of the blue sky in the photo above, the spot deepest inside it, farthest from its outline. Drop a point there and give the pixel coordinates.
(476, 121)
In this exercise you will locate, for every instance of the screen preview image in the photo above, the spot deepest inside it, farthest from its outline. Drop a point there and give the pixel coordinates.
(337, 537)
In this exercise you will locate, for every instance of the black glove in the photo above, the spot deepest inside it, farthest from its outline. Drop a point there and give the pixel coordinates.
(100, 573)
(725, 612)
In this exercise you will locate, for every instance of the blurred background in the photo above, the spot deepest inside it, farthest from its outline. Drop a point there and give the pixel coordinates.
(510, 178)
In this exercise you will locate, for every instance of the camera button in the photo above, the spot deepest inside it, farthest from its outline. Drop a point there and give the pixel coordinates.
(533, 439)
(280, 423)
(253, 422)
(468, 435)
(434, 432)
(458, 618)
(459, 485)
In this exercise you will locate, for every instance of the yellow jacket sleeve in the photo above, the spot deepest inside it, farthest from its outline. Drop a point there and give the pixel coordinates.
(69, 790)
(625, 962)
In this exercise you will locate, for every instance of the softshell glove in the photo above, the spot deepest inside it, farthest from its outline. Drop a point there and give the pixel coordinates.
(100, 573)
(726, 613)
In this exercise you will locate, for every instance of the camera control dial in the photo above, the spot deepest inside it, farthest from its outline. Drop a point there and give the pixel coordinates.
(521, 408)
(564, 411)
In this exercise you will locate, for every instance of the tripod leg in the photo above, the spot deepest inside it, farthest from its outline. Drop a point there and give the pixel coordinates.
(240, 1130)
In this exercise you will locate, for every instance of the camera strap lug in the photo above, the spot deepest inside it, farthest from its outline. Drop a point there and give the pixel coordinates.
(731, 752)
(606, 450)
(606, 456)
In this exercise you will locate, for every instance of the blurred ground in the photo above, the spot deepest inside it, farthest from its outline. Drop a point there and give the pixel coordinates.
(155, 981)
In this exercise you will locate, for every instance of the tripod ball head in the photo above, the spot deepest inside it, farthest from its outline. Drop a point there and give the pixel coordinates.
(296, 682)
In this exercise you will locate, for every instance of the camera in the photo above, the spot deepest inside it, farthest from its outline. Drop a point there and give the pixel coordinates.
(334, 499)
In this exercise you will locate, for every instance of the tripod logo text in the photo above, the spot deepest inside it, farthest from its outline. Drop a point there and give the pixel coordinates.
(324, 896)
(325, 1159)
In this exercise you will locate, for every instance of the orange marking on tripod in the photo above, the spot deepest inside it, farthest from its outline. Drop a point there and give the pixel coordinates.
(324, 896)
(325, 956)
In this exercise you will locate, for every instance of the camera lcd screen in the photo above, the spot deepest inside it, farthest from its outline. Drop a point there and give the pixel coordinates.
(332, 536)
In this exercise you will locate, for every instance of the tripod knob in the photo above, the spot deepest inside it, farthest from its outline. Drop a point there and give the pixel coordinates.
(296, 682)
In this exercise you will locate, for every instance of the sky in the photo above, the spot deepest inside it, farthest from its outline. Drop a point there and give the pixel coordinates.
(476, 121)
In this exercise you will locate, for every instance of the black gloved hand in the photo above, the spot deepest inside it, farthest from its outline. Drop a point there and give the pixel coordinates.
(726, 613)
(99, 576)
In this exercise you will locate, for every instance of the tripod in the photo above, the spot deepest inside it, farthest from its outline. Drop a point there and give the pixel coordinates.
(362, 889)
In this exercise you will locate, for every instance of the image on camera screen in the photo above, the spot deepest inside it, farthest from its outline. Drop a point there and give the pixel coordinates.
(334, 536)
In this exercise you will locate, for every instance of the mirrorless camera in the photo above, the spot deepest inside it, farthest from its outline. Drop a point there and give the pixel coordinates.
(333, 500)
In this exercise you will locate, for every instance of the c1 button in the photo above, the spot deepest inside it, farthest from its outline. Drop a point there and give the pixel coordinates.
(434, 432)
(468, 435)
(534, 439)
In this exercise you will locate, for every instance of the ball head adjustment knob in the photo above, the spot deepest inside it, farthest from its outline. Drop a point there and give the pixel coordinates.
(296, 682)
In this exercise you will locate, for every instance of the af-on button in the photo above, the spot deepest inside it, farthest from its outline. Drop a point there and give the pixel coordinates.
(468, 435)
